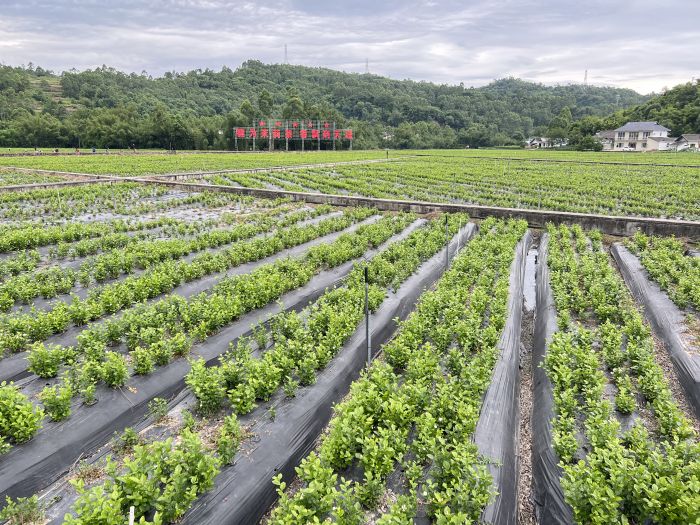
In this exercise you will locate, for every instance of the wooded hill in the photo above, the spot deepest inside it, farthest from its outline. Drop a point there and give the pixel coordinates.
(107, 108)
(678, 109)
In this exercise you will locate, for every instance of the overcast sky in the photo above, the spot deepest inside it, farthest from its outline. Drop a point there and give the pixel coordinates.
(645, 45)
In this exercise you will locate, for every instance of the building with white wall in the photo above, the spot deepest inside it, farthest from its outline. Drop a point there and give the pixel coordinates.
(689, 141)
(642, 136)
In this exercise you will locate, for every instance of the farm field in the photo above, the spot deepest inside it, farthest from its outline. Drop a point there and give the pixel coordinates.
(577, 185)
(67, 151)
(136, 165)
(202, 356)
(677, 158)
(10, 178)
(650, 191)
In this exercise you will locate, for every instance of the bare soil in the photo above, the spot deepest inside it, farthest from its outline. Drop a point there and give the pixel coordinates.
(663, 358)
(526, 508)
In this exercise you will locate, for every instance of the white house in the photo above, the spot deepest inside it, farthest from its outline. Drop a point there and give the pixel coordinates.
(538, 142)
(659, 144)
(688, 141)
(544, 142)
(607, 138)
(642, 136)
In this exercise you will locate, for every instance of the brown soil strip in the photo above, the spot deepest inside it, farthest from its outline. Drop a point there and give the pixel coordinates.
(663, 358)
(526, 509)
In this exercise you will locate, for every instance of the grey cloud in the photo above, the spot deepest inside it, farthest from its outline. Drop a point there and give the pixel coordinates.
(645, 48)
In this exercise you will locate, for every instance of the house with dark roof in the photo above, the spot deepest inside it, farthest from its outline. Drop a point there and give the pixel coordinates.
(538, 143)
(688, 141)
(643, 136)
(607, 138)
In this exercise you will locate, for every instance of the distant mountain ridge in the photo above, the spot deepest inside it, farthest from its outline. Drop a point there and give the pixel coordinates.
(105, 107)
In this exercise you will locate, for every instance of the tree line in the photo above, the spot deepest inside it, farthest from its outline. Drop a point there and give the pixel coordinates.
(199, 109)
(678, 109)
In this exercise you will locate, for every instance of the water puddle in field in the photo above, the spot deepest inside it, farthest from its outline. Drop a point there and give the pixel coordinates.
(530, 283)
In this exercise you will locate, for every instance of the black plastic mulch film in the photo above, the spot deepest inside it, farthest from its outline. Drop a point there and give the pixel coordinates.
(244, 492)
(497, 430)
(666, 319)
(14, 366)
(550, 506)
(33, 466)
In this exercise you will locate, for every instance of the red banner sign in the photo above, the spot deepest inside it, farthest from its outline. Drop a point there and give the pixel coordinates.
(293, 129)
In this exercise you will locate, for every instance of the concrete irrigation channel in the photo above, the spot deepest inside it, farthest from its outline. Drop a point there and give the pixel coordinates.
(608, 224)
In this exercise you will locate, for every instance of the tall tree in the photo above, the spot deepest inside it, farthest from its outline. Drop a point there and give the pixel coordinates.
(265, 103)
(248, 111)
(294, 108)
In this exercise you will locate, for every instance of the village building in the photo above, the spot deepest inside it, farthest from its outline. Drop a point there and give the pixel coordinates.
(688, 141)
(545, 142)
(539, 142)
(607, 139)
(643, 136)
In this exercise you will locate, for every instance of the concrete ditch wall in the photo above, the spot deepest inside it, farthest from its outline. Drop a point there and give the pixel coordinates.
(610, 225)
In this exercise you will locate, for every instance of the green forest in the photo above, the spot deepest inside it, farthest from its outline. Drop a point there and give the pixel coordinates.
(198, 109)
(678, 109)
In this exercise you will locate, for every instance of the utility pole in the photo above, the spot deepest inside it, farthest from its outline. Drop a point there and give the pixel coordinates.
(286, 61)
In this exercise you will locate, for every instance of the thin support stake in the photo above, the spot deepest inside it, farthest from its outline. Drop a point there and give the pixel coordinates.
(447, 244)
(367, 337)
(459, 237)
